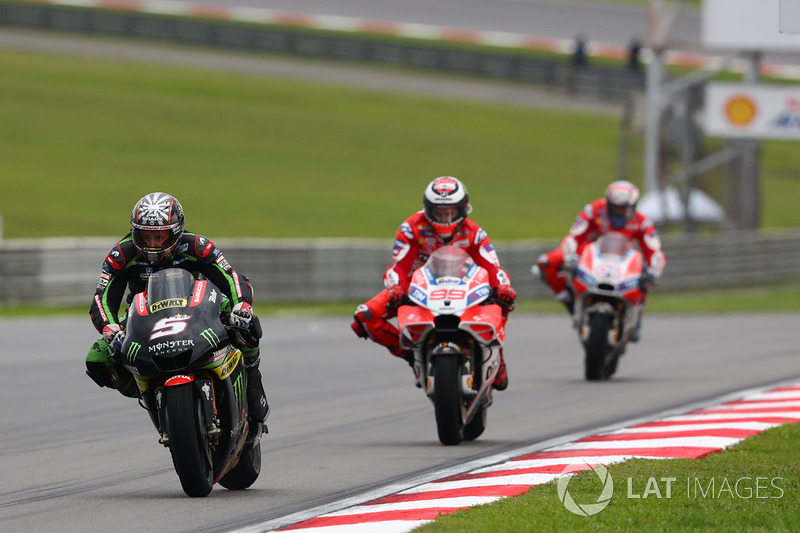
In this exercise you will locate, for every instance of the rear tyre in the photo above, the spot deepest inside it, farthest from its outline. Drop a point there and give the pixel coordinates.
(476, 426)
(596, 346)
(246, 470)
(188, 443)
(447, 400)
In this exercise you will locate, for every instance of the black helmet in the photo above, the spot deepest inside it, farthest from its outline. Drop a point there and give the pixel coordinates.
(157, 226)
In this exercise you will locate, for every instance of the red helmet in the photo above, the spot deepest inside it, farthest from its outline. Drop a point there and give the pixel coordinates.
(621, 199)
(156, 226)
(446, 206)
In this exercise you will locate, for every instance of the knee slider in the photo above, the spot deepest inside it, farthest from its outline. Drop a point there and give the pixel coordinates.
(543, 261)
(363, 313)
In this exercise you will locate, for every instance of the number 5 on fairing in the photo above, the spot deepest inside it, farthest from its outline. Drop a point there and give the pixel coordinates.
(169, 326)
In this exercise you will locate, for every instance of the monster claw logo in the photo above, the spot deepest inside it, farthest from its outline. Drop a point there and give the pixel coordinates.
(237, 390)
(133, 351)
(209, 335)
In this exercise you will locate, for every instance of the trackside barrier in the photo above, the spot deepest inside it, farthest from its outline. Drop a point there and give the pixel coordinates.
(65, 271)
(597, 82)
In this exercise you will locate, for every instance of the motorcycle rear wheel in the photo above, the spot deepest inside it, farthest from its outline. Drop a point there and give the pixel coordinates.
(188, 443)
(447, 400)
(596, 346)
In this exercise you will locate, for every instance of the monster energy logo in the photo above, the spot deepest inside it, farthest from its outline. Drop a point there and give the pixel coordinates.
(209, 335)
(133, 351)
(237, 390)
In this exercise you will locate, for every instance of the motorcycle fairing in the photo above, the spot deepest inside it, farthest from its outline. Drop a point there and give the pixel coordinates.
(414, 323)
(173, 333)
(485, 323)
(597, 267)
(180, 379)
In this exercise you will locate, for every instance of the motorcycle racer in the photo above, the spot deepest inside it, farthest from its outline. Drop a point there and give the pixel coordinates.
(443, 221)
(157, 240)
(615, 211)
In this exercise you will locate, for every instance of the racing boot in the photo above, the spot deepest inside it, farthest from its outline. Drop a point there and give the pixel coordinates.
(107, 372)
(257, 405)
(567, 297)
(407, 356)
(501, 379)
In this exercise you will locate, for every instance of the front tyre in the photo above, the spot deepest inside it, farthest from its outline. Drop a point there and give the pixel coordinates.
(596, 346)
(447, 400)
(475, 427)
(247, 469)
(188, 443)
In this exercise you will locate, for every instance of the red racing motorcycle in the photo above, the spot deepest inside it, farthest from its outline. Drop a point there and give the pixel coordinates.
(456, 333)
(608, 301)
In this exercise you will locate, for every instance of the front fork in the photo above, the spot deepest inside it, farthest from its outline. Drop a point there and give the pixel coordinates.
(425, 363)
(204, 391)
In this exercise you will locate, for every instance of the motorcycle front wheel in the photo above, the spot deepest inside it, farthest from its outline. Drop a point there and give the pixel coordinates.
(246, 470)
(447, 400)
(477, 425)
(596, 346)
(188, 443)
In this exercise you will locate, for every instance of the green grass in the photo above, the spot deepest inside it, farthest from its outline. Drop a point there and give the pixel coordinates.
(256, 157)
(248, 156)
(771, 503)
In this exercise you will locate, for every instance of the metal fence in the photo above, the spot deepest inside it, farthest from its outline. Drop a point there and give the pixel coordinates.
(604, 83)
(66, 271)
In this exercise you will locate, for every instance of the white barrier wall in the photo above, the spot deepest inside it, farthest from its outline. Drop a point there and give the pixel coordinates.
(66, 271)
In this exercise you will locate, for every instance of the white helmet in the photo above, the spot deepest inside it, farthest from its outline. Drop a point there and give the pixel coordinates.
(621, 199)
(446, 206)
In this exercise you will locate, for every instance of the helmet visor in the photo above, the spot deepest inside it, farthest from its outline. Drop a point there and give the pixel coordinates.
(154, 240)
(444, 214)
(619, 214)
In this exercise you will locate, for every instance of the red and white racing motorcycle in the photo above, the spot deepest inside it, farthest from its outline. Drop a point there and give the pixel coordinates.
(608, 301)
(456, 334)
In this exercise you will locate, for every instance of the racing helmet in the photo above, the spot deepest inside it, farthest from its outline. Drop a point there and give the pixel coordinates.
(446, 206)
(621, 199)
(157, 226)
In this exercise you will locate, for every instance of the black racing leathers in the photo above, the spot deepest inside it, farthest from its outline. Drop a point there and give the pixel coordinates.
(125, 268)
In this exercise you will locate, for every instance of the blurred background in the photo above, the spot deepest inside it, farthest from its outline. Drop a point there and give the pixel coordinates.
(298, 135)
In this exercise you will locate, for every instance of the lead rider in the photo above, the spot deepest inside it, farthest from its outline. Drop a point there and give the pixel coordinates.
(157, 241)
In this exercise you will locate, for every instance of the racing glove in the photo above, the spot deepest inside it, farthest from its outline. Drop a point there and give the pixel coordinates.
(397, 297)
(648, 279)
(246, 324)
(241, 316)
(570, 263)
(505, 296)
(114, 337)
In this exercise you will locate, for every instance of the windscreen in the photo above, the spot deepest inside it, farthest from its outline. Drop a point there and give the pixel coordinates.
(449, 262)
(614, 243)
(169, 283)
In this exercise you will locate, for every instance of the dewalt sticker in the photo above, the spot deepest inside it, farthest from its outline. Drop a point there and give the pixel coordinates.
(168, 303)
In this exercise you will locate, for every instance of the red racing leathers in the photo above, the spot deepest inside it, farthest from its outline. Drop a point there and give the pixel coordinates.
(590, 223)
(414, 243)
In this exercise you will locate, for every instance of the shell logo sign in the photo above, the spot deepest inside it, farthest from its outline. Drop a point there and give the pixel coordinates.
(741, 110)
(752, 111)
